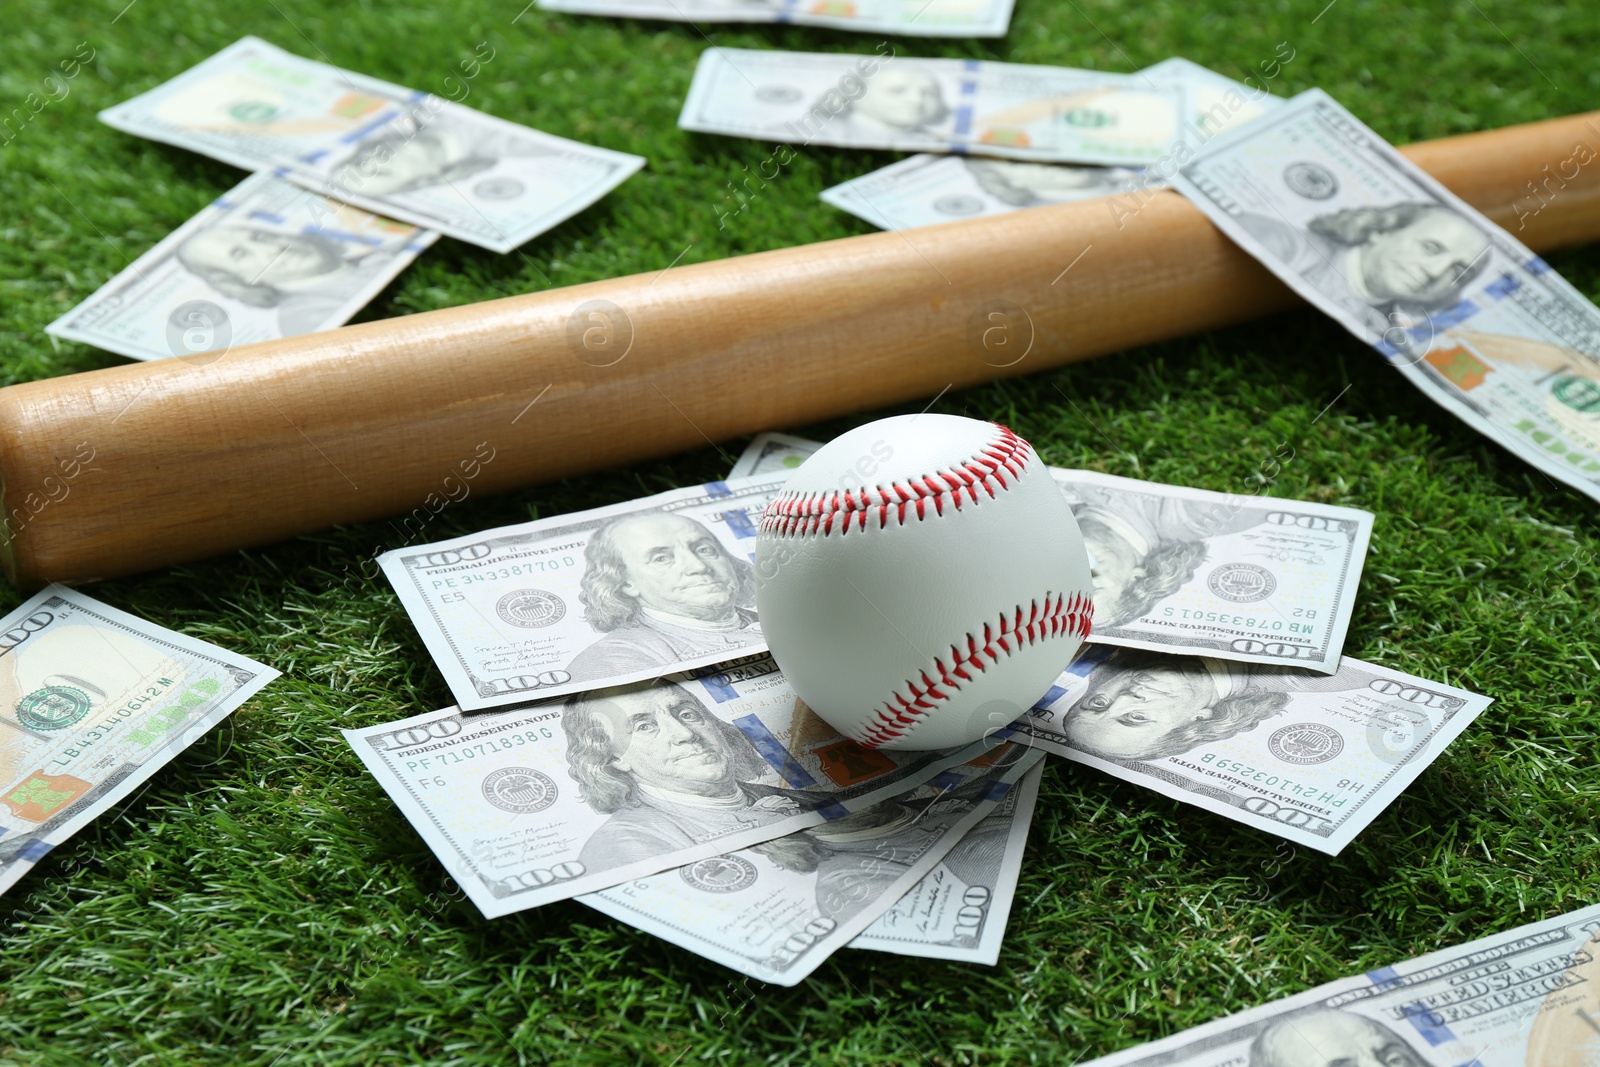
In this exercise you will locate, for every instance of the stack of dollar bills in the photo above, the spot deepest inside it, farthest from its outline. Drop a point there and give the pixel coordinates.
(622, 737)
(620, 734)
(627, 741)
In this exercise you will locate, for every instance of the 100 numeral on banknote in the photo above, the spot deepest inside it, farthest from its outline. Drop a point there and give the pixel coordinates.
(958, 911)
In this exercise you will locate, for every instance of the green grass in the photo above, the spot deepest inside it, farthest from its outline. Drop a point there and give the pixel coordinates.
(263, 902)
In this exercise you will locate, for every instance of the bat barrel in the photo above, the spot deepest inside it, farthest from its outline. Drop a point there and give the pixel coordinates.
(133, 467)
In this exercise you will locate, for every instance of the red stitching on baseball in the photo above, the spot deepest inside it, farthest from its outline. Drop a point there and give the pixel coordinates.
(1061, 616)
(839, 511)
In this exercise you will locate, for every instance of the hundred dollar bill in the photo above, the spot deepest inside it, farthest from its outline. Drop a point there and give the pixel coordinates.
(1247, 578)
(1239, 577)
(959, 909)
(778, 910)
(1310, 758)
(267, 259)
(408, 155)
(1457, 305)
(539, 804)
(93, 701)
(1529, 997)
(928, 189)
(1042, 114)
(915, 18)
(594, 598)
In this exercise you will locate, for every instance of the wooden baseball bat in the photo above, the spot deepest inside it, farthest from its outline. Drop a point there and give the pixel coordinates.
(120, 470)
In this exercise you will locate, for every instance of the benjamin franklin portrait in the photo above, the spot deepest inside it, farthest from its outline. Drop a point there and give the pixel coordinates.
(410, 153)
(667, 771)
(1019, 184)
(1386, 266)
(662, 590)
(304, 277)
(897, 101)
(1143, 547)
(1139, 705)
(1326, 1037)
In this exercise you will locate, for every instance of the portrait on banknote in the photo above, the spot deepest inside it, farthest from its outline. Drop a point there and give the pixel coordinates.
(266, 259)
(410, 154)
(667, 772)
(1459, 306)
(1388, 266)
(304, 277)
(1019, 184)
(1143, 548)
(1139, 705)
(661, 589)
(1328, 1035)
(895, 101)
(382, 147)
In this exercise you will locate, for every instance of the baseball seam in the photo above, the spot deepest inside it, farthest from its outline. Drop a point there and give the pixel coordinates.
(1062, 616)
(834, 511)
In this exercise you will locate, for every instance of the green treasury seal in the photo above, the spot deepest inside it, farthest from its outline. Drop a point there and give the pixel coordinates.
(55, 707)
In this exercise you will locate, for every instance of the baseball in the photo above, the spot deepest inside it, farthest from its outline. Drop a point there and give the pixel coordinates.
(921, 581)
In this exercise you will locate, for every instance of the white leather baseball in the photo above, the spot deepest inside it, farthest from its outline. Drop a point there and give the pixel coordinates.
(921, 581)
